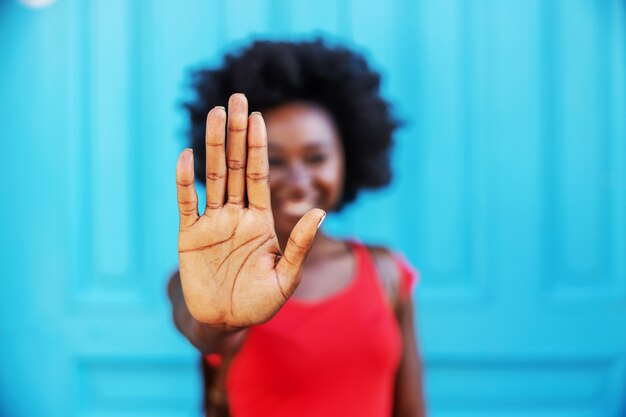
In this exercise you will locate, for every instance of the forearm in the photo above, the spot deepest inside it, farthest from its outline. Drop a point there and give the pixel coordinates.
(409, 395)
(206, 338)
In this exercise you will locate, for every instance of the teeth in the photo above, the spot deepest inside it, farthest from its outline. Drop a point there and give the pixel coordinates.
(296, 208)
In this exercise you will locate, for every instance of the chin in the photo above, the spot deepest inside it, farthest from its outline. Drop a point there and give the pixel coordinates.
(285, 224)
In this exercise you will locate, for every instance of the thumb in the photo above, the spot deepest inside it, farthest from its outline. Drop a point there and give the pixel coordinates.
(298, 246)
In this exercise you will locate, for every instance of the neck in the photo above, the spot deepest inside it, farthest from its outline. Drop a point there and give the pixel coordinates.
(321, 244)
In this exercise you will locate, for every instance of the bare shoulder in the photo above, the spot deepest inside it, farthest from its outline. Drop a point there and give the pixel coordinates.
(388, 272)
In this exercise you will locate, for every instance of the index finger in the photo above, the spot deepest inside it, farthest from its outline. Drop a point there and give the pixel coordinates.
(258, 171)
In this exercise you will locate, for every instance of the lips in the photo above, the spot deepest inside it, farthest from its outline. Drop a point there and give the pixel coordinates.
(296, 207)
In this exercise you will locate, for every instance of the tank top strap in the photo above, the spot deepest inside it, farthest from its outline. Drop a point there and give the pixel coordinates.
(367, 266)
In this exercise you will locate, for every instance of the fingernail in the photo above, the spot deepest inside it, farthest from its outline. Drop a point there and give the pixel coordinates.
(256, 112)
(189, 149)
(220, 107)
(321, 220)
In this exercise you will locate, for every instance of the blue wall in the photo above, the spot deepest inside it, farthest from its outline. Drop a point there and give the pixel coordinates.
(509, 195)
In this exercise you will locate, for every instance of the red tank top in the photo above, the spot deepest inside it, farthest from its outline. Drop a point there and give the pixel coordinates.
(334, 357)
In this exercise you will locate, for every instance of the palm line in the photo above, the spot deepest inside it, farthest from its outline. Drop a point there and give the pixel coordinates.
(211, 245)
(230, 253)
(232, 290)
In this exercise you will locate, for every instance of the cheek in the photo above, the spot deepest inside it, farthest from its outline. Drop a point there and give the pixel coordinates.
(331, 177)
(275, 180)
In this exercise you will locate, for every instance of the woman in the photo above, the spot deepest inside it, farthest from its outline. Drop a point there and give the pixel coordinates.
(291, 321)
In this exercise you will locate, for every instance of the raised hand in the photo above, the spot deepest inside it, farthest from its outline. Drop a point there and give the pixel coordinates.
(231, 267)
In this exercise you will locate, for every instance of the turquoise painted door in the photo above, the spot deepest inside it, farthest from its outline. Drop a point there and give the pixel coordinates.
(509, 195)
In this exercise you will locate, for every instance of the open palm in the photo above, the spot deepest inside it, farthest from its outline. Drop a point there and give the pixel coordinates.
(231, 267)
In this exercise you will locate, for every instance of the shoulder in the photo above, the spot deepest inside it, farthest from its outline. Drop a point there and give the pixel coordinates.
(396, 273)
(388, 272)
(385, 264)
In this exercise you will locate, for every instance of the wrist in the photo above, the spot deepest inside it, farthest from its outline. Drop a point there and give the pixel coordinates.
(213, 338)
(223, 329)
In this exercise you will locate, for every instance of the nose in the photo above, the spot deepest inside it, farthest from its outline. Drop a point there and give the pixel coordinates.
(299, 176)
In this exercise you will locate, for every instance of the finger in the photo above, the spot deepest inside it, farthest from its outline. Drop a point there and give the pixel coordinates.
(298, 246)
(185, 189)
(257, 170)
(215, 158)
(236, 158)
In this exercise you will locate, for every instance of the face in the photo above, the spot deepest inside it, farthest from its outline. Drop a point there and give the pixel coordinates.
(306, 160)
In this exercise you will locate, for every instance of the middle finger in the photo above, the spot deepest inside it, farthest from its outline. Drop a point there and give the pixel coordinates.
(236, 152)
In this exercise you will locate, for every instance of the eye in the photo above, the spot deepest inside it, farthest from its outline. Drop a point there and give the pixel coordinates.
(316, 158)
(276, 162)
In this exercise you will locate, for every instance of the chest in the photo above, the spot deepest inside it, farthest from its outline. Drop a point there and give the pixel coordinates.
(325, 279)
(363, 342)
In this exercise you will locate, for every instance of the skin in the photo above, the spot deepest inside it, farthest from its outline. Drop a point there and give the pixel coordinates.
(239, 264)
(308, 169)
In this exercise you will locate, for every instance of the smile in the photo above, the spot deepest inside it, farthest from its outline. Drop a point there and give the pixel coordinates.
(297, 207)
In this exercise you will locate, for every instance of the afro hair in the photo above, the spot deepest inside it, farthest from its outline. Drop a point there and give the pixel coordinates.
(339, 80)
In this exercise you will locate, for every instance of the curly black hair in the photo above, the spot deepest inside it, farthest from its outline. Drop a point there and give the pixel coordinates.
(273, 73)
